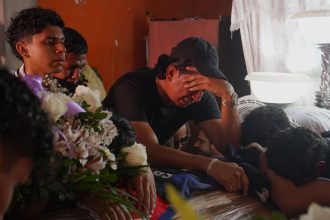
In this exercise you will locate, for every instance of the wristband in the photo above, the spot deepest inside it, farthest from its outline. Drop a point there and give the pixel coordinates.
(232, 101)
(211, 164)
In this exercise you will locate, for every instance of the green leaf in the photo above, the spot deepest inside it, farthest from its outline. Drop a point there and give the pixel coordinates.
(110, 177)
(98, 110)
(278, 216)
(101, 115)
(67, 162)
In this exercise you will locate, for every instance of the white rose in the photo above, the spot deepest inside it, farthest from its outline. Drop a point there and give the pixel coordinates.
(92, 98)
(316, 212)
(136, 155)
(55, 104)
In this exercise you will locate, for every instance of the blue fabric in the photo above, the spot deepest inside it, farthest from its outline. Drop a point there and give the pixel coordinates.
(186, 182)
(168, 214)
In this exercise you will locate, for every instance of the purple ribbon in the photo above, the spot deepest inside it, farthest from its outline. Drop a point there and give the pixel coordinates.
(34, 82)
(73, 109)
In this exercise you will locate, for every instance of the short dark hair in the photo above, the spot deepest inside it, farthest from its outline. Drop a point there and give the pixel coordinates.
(25, 130)
(74, 42)
(294, 153)
(28, 22)
(262, 124)
(164, 61)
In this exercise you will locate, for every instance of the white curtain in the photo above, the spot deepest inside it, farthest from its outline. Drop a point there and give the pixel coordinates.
(270, 38)
(271, 41)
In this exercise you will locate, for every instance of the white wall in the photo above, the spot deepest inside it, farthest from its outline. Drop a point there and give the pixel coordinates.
(7, 9)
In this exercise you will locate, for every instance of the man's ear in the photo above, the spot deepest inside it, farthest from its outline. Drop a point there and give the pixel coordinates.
(320, 166)
(171, 72)
(22, 49)
(22, 170)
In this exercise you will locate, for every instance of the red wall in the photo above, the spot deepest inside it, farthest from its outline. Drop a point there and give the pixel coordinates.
(189, 8)
(115, 29)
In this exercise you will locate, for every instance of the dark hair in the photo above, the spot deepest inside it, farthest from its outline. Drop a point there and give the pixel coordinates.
(164, 61)
(262, 124)
(74, 42)
(294, 153)
(28, 22)
(126, 134)
(25, 130)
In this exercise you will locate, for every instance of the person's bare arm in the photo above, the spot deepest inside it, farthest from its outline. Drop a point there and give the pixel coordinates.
(106, 209)
(160, 156)
(226, 130)
(220, 134)
(230, 175)
(294, 200)
(145, 191)
(141, 186)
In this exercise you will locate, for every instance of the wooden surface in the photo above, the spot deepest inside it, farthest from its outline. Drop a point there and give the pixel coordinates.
(221, 205)
(208, 205)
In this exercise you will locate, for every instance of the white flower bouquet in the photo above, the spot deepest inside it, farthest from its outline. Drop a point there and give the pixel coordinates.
(85, 159)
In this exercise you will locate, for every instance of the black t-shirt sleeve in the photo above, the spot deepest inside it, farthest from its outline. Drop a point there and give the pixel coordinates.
(206, 109)
(125, 100)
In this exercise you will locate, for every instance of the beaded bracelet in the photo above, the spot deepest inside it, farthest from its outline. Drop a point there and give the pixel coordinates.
(211, 164)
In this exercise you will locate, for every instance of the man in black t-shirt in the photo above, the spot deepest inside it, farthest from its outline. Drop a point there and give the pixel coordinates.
(158, 101)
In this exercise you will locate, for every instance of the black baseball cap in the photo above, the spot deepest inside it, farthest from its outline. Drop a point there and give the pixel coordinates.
(202, 55)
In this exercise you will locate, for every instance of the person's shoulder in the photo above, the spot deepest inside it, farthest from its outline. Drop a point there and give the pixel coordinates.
(208, 98)
(89, 73)
(137, 80)
(138, 76)
(92, 73)
(208, 101)
(139, 72)
(88, 70)
(206, 109)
